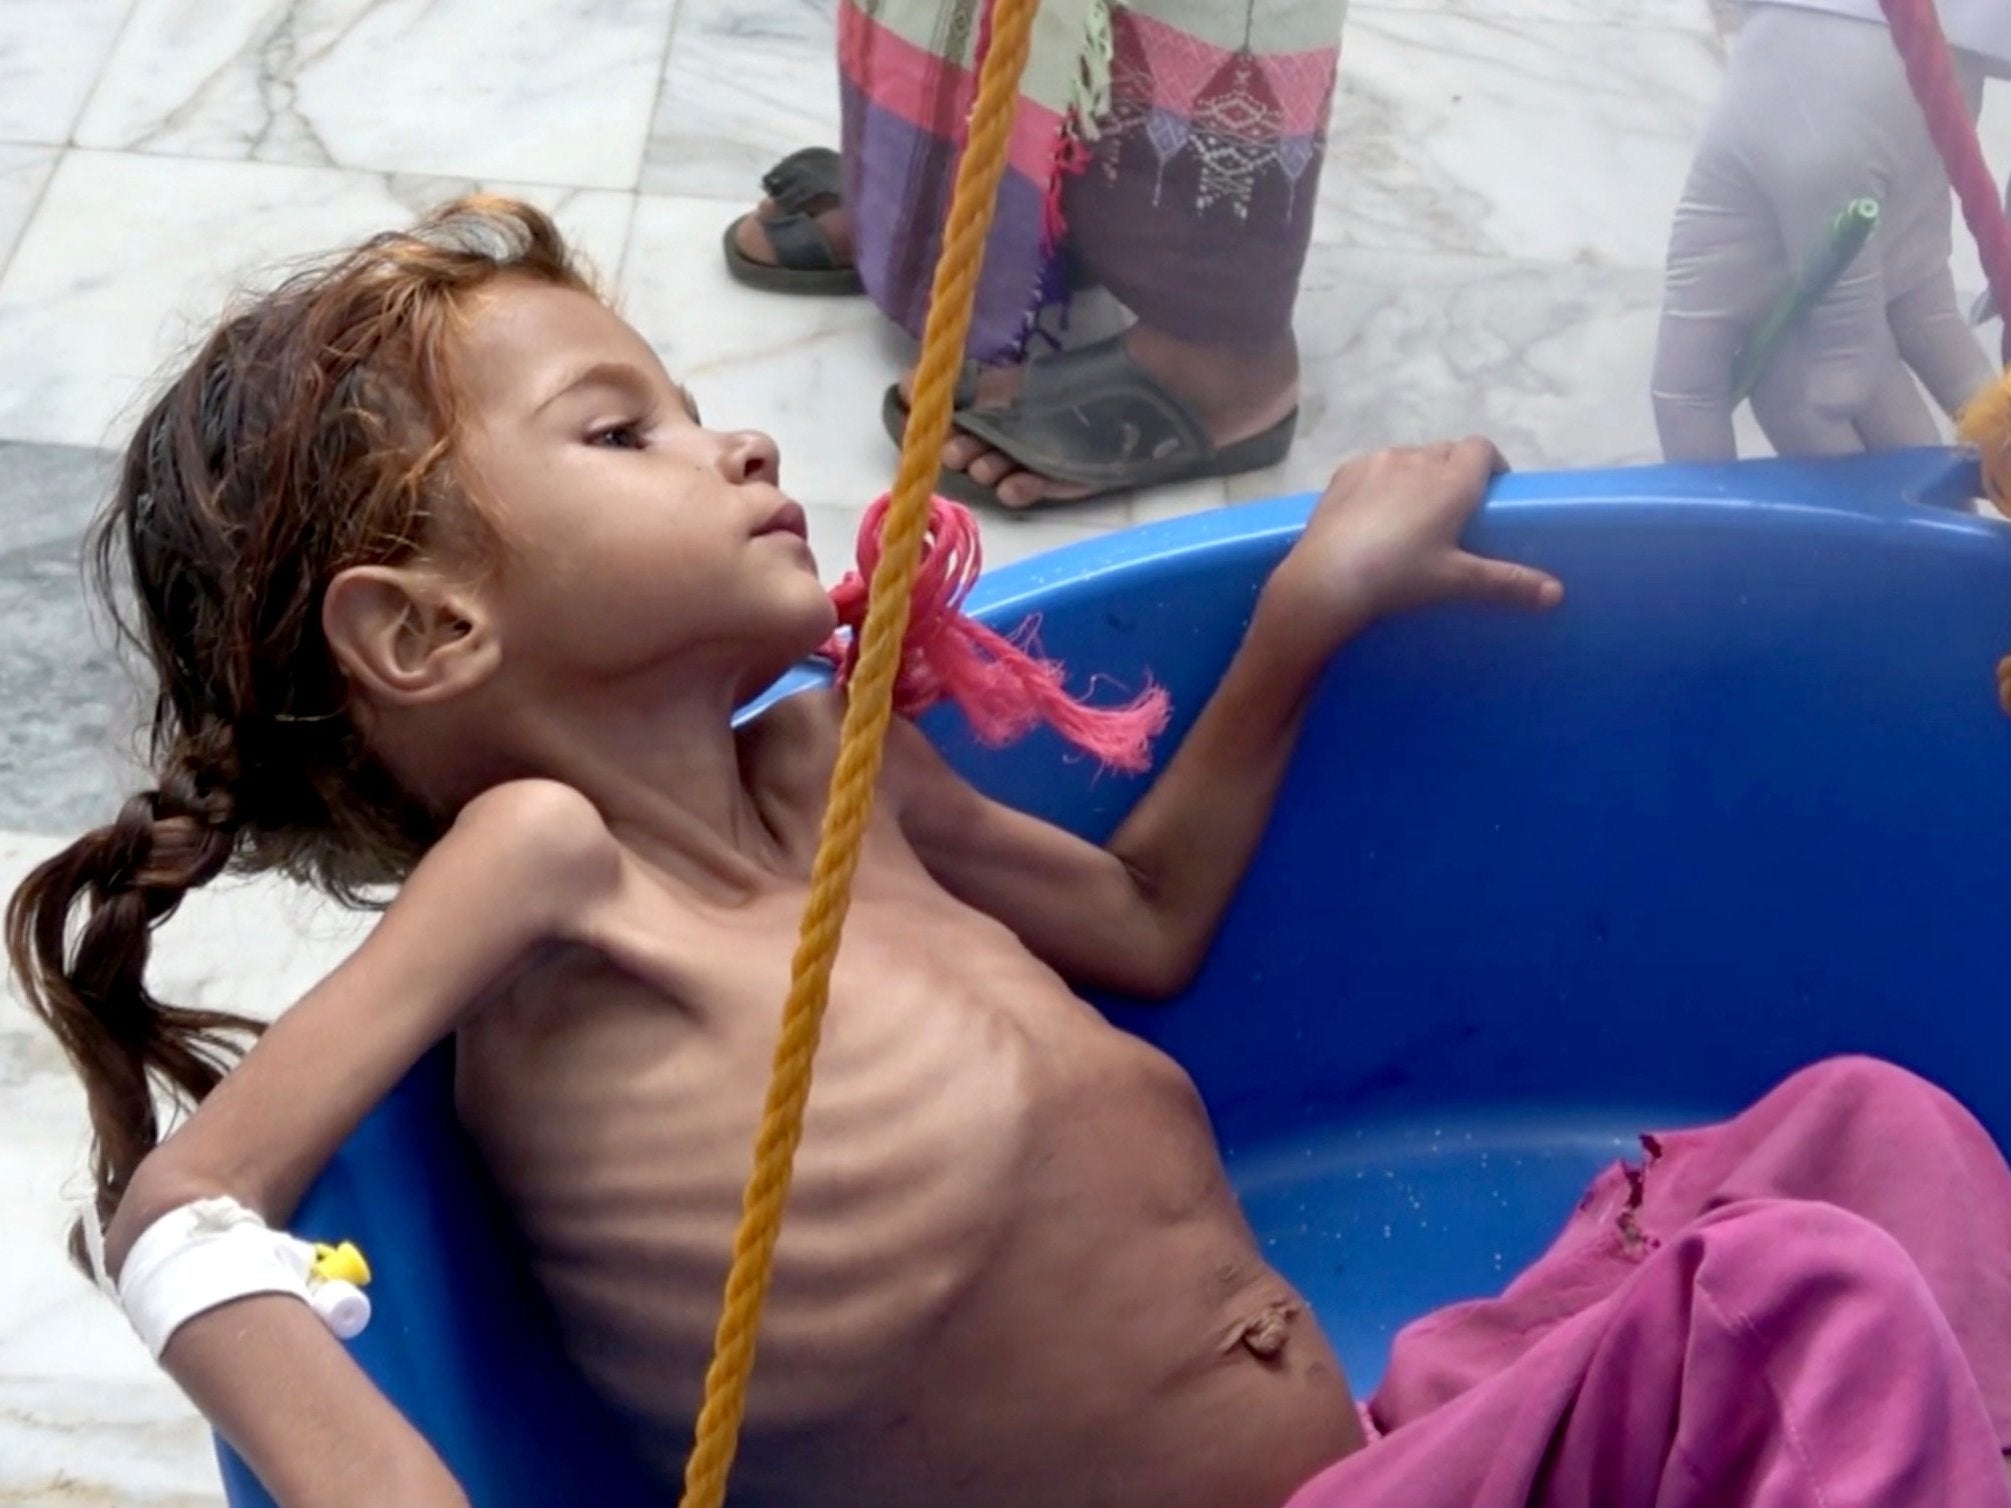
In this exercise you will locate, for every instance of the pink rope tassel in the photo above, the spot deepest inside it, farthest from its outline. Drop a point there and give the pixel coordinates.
(1916, 31)
(1003, 691)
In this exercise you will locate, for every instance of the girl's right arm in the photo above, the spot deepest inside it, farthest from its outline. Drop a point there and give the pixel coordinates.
(526, 867)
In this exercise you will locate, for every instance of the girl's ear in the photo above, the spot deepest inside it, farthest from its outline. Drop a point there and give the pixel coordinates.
(407, 636)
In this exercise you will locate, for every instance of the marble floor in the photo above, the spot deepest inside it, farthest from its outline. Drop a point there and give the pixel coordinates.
(1487, 252)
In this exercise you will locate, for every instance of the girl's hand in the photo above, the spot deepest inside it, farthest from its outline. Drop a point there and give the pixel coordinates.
(1384, 538)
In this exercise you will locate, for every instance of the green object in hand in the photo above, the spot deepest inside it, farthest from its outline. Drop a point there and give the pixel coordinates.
(1847, 234)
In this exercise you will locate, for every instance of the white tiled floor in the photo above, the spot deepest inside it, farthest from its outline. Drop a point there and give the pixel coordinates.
(555, 94)
(51, 53)
(88, 319)
(1445, 118)
(1491, 225)
(24, 169)
(720, 122)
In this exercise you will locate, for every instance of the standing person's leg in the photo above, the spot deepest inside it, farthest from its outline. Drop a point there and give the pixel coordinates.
(1199, 207)
(1196, 213)
(1194, 204)
(1773, 1354)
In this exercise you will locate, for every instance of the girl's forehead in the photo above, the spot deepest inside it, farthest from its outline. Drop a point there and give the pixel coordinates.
(520, 333)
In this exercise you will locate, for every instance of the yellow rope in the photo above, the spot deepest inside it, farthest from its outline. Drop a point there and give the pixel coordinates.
(1986, 424)
(860, 744)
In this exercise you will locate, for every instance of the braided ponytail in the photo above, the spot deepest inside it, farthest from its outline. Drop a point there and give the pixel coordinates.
(125, 1045)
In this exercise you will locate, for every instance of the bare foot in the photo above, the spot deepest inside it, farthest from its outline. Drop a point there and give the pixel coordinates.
(752, 238)
(1237, 391)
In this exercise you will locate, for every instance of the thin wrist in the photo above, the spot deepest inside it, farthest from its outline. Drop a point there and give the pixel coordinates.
(1307, 628)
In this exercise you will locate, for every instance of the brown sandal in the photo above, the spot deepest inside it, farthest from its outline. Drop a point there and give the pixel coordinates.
(1092, 417)
(803, 185)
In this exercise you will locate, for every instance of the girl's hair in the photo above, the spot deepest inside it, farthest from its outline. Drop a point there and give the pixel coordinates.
(314, 431)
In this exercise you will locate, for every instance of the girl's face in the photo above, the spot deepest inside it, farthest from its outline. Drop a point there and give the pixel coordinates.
(634, 538)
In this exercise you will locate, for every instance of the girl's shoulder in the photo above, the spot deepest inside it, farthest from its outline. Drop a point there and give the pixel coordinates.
(543, 826)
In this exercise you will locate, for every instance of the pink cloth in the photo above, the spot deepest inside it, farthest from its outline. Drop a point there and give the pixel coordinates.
(1806, 1307)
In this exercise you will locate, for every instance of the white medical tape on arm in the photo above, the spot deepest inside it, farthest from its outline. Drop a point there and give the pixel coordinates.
(214, 1251)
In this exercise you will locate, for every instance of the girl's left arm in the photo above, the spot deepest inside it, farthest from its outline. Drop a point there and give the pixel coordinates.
(1138, 914)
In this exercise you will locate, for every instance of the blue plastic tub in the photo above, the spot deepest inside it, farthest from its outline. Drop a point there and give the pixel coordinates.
(1534, 885)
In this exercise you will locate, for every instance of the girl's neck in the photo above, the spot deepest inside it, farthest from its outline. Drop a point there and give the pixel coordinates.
(671, 781)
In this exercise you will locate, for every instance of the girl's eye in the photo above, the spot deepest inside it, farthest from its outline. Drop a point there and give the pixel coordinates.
(617, 437)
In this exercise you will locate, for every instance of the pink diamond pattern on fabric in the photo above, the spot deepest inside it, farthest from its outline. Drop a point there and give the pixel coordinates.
(1175, 66)
(1241, 113)
(1304, 85)
(1236, 123)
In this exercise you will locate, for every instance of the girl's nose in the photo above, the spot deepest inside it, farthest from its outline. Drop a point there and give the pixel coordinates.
(750, 456)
